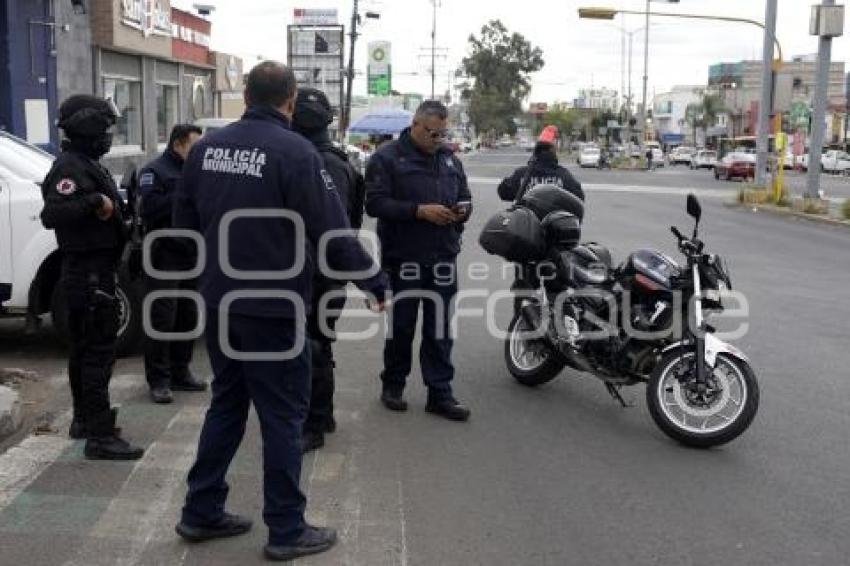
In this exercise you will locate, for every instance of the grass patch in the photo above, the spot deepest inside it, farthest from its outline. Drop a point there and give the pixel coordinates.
(845, 209)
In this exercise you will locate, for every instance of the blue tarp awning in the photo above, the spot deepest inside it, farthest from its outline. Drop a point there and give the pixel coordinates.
(386, 122)
(672, 138)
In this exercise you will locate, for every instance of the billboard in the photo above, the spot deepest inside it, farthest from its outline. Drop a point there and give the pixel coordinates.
(380, 68)
(315, 17)
(315, 55)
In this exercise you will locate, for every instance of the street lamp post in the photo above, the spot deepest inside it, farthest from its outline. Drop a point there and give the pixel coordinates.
(595, 13)
(345, 118)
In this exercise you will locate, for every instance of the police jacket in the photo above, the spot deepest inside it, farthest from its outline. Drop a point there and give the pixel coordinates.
(157, 184)
(259, 195)
(72, 191)
(542, 169)
(348, 181)
(399, 178)
(157, 188)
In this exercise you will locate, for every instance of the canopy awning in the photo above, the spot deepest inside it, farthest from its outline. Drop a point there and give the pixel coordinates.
(386, 122)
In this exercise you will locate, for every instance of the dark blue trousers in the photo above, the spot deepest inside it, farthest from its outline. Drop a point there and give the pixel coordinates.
(435, 292)
(280, 391)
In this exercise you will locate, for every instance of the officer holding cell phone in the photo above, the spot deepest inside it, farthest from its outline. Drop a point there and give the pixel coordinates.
(418, 191)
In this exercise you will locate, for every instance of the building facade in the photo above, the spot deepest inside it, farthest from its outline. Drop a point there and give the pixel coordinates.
(28, 58)
(670, 115)
(152, 60)
(604, 99)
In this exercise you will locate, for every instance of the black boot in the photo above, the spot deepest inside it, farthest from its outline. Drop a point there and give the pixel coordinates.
(104, 444)
(161, 395)
(312, 541)
(448, 407)
(393, 400)
(185, 381)
(312, 440)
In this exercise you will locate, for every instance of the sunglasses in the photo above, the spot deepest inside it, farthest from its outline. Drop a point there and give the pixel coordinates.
(437, 133)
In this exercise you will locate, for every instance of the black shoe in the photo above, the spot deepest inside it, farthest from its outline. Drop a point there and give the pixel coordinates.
(188, 382)
(448, 408)
(393, 400)
(312, 440)
(111, 448)
(229, 526)
(161, 394)
(312, 541)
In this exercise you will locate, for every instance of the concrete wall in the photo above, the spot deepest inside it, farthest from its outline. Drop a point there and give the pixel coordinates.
(74, 65)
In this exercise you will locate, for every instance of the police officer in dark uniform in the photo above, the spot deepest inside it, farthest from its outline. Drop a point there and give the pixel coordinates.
(167, 361)
(417, 190)
(313, 114)
(542, 169)
(261, 170)
(82, 205)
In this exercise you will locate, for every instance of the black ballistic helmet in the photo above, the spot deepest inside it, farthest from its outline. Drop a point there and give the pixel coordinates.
(313, 110)
(561, 229)
(544, 199)
(86, 116)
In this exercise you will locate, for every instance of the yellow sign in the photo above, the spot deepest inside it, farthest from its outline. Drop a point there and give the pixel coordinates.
(781, 141)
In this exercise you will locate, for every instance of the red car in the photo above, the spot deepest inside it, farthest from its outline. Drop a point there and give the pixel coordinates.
(740, 165)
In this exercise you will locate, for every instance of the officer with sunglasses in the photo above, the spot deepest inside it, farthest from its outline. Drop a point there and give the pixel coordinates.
(417, 190)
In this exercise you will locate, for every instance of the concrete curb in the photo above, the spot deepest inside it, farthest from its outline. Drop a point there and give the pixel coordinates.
(10, 411)
(786, 213)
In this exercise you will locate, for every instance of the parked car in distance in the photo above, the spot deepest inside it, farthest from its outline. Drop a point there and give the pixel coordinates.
(736, 165)
(704, 159)
(832, 161)
(682, 155)
(589, 156)
(212, 124)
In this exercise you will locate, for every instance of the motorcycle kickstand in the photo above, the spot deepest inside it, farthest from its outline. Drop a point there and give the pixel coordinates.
(614, 391)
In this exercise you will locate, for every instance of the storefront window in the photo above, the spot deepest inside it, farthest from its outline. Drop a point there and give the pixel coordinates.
(166, 111)
(127, 96)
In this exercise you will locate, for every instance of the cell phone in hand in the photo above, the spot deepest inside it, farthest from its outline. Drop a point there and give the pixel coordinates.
(462, 207)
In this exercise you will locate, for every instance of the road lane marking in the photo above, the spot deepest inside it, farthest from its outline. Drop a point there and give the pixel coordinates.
(639, 189)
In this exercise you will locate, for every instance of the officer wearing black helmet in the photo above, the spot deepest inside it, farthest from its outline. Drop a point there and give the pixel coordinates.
(82, 205)
(313, 114)
(542, 169)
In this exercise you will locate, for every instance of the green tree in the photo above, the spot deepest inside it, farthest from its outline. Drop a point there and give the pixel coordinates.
(499, 64)
(693, 117)
(565, 120)
(711, 106)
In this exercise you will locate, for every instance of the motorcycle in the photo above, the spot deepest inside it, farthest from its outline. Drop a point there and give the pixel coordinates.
(642, 322)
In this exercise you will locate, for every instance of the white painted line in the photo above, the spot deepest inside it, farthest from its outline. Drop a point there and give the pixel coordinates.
(638, 189)
(402, 520)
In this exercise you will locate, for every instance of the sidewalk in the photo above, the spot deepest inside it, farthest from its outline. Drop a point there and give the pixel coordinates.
(58, 508)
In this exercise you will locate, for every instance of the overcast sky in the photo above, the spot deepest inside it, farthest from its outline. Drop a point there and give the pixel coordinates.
(578, 53)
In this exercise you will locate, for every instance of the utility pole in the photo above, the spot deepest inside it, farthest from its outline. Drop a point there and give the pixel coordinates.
(433, 47)
(766, 92)
(821, 93)
(642, 125)
(349, 78)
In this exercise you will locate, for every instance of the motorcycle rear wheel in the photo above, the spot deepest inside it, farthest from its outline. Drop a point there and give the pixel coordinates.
(702, 427)
(532, 362)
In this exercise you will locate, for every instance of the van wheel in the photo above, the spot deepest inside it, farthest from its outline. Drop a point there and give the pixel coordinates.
(130, 293)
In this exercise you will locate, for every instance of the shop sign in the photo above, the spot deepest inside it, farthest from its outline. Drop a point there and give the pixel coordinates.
(151, 17)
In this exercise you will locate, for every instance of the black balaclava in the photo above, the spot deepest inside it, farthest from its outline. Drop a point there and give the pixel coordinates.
(86, 119)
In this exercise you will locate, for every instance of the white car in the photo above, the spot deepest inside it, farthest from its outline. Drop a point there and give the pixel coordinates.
(704, 159)
(589, 156)
(212, 124)
(29, 258)
(682, 155)
(832, 161)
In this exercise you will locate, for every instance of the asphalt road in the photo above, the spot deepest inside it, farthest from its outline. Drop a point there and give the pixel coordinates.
(559, 475)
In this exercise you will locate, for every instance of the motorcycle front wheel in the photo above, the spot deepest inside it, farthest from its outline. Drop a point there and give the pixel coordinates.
(702, 417)
(530, 360)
